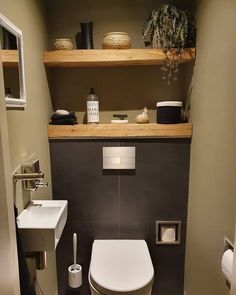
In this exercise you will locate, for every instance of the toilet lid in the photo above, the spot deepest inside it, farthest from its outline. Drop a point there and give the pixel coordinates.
(121, 265)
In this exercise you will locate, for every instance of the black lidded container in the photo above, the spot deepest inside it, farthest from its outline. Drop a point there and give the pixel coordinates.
(169, 112)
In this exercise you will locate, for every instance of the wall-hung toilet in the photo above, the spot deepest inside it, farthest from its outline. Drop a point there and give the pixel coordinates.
(120, 267)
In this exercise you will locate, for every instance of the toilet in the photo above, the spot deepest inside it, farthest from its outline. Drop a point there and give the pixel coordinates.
(120, 267)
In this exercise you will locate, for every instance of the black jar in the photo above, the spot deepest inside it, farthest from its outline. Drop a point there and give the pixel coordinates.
(169, 112)
(86, 35)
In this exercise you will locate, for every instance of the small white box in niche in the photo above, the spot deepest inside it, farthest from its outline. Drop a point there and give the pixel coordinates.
(168, 232)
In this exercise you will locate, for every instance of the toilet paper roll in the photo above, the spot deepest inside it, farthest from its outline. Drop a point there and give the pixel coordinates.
(168, 233)
(227, 264)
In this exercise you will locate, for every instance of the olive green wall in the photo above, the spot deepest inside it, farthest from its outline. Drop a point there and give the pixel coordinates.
(126, 90)
(28, 128)
(212, 200)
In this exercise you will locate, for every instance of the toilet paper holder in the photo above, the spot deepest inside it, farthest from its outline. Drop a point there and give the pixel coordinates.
(228, 245)
(168, 232)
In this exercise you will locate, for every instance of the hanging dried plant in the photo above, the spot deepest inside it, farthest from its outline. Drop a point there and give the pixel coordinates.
(172, 30)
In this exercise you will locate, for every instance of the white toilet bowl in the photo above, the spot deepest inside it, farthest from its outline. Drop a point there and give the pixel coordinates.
(121, 267)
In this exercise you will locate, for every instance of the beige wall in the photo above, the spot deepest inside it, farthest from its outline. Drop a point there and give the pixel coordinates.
(212, 200)
(126, 89)
(28, 128)
(9, 278)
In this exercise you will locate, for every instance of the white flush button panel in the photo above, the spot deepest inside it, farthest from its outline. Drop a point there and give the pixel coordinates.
(119, 157)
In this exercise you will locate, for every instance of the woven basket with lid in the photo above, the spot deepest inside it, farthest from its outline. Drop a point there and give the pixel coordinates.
(116, 40)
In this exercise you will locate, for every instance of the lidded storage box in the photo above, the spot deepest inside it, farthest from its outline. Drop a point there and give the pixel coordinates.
(169, 112)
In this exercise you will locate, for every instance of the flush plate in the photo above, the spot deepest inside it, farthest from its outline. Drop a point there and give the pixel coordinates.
(119, 157)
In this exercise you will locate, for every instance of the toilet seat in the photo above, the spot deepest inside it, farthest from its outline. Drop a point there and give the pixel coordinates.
(120, 266)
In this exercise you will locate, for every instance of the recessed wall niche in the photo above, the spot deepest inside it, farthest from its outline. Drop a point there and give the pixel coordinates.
(127, 89)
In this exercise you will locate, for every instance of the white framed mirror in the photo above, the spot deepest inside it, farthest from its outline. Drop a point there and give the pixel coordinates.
(11, 49)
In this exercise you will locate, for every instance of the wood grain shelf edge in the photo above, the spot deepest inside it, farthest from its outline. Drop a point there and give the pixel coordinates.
(110, 57)
(120, 131)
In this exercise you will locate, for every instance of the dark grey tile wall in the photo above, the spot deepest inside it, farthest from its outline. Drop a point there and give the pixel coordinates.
(122, 204)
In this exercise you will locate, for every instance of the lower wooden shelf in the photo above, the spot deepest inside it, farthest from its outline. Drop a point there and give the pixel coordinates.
(120, 131)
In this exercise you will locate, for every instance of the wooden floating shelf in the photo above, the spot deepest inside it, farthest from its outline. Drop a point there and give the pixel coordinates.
(10, 58)
(110, 57)
(120, 131)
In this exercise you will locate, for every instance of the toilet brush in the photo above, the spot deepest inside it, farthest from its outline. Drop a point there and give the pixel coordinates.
(75, 270)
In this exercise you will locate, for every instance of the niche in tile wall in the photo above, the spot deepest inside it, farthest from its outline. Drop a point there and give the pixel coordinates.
(168, 232)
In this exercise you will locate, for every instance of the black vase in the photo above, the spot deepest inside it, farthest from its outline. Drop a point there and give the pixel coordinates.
(78, 39)
(9, 40)
(86, 35)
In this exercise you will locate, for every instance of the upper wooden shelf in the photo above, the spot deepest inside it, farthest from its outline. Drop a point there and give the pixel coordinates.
(110, 57)
(120, 131)
(10, 58)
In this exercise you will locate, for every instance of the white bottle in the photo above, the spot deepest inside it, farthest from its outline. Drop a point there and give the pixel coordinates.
(92, 108)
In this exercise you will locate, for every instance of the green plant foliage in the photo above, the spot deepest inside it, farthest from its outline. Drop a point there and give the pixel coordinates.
(169, 27)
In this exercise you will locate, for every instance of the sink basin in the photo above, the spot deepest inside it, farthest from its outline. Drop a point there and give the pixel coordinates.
(41, 224)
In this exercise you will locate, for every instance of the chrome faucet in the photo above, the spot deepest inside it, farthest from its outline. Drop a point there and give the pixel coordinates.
(31, 176)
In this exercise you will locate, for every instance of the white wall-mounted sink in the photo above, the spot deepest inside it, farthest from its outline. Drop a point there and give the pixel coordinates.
(41, 224)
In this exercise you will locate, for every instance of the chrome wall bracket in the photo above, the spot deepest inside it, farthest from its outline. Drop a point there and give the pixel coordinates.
(31, 176)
